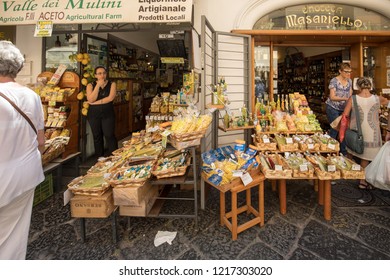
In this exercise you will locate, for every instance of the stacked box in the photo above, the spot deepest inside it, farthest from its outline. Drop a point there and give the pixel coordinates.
(85, 206)
(143, 208)
(131, 195)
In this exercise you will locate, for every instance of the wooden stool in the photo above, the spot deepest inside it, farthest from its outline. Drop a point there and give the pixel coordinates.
(258, 180)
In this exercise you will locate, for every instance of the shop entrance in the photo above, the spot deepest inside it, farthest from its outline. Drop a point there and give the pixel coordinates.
(301, 61)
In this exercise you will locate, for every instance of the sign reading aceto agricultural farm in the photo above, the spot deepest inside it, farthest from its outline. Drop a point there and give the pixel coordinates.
(18, 12)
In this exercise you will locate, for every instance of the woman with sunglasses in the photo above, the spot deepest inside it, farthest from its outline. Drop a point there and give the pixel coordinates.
(340, 89)
(101, 115)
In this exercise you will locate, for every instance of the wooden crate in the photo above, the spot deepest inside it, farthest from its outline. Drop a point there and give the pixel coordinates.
(131, 195)
(82, 206)
(143, 208)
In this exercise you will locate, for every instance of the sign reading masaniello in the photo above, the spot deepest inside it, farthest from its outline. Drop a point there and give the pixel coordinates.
(19, 12)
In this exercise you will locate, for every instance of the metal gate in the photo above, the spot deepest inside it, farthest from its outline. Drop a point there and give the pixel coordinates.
(225, 55)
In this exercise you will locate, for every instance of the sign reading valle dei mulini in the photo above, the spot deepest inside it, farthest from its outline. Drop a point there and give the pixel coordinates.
(19, 12)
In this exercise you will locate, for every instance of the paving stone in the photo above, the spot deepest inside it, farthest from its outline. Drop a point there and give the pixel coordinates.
(329, 244)
(279, 235)
(216, 242)
(259, 251)
(376, 237)
(302, 254)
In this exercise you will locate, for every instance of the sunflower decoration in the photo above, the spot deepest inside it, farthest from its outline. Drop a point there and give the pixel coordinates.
(87, 77)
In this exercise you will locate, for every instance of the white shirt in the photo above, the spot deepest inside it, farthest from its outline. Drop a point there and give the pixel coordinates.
(20, 160)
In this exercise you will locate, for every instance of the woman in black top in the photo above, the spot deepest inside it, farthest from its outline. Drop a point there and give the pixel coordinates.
(101, 115)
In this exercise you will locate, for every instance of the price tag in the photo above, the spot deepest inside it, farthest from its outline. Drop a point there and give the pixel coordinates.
(331, 168)
(237, 173)
(147, 117)
(266, 140)
(246, 179)
(289, 140)
(278, 167)
(331, 146)
(303, 167)
(287, 154)
(310, 146)
(52, 103)
(355, 167)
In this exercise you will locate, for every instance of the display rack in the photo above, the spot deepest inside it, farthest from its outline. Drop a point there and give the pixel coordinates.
(190, 178)
(69, 80)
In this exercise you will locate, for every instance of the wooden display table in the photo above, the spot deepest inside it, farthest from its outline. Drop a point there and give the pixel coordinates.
(235, 188)
(324, 195)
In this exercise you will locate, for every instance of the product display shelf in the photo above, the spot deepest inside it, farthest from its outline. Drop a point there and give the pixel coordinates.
(190, 178)
(69, 80)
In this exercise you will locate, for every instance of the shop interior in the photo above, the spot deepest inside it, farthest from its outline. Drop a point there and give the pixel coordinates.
(143, 60)
(306, 63)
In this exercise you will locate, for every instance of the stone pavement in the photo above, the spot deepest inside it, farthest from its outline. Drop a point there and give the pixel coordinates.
(359, 229)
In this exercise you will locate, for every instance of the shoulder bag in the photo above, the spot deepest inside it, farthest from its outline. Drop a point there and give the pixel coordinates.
(354, 139)
(20, 111)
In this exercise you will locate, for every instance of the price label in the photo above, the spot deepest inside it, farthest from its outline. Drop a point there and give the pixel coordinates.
(310, 146)
(237, 173)
(266, 140)
(331, 168)
(278, 167)
(332, 146)
(303, 167)
(52, 103)
(356, 167)
(289, 140)
(246, 179)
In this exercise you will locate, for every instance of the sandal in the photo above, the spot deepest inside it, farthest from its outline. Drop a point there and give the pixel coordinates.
(365, 186)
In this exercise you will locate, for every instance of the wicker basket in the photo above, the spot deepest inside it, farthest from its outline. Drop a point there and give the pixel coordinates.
(105, 165)
(179, 145)
(272, 146)
(313, 147)
(330, 148)
(324, 175)
(127, 182)
(82, 185)
(285, 173)
(293, 147)
(183, 137)
(303, 174)
(172, 172)
(352, 174)
(53, 154)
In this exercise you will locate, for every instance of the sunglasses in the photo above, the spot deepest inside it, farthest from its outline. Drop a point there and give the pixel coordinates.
(347, 72)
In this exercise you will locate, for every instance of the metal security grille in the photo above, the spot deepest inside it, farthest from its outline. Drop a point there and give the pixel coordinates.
(228, 55)
(233, 63)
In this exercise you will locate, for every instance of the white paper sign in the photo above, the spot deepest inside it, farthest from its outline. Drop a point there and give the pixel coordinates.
(310, 146)
(331, 146)
(355, 167)
(331, 168)
(289, 140)
(266, 140)
(303, 167)
(246, 179)
(278, 167)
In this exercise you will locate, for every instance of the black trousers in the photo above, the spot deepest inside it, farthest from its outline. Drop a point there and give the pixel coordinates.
(101, 118)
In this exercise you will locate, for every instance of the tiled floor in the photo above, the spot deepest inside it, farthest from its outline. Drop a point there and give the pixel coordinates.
(359, 229)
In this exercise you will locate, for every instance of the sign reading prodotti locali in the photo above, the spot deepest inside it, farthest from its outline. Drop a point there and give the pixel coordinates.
(18, 12)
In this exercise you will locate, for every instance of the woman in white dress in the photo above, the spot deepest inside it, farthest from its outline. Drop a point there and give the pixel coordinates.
(20, 158)
(368, 107)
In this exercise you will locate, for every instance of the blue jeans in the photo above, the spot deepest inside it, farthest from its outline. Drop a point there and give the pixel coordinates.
(332, 114)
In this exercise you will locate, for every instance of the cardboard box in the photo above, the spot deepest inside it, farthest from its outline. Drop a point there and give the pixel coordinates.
(84, 206)
(131, 195)
(143, 208)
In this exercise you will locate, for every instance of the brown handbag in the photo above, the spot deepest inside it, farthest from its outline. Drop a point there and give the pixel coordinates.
(20, 111)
